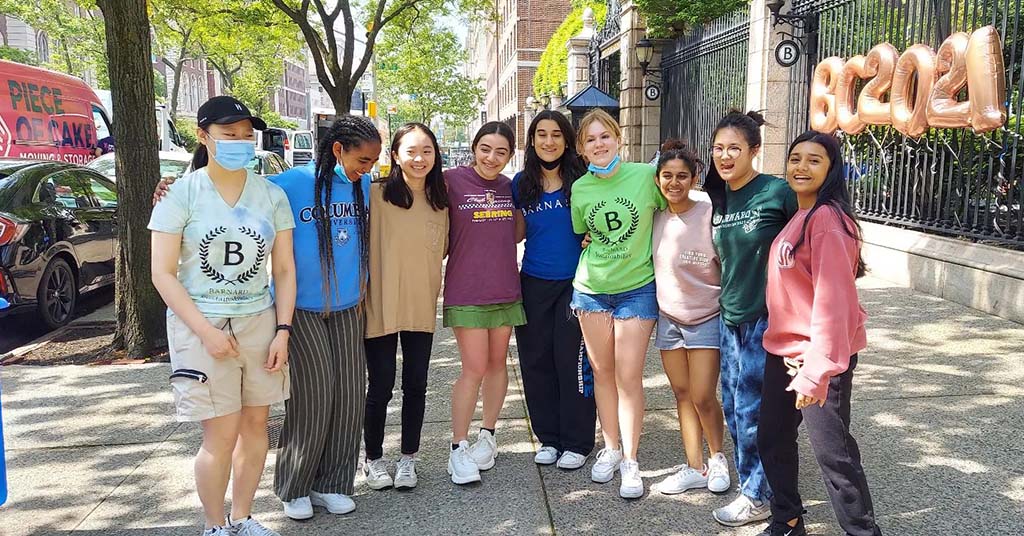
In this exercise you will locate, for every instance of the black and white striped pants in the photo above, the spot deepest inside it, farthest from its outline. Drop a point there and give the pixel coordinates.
(319, 446)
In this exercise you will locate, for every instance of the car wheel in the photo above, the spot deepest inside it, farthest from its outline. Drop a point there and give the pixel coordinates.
(57, 294)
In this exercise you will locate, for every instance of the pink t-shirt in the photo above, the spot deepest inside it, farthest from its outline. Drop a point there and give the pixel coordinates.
(687, 271)
(814, 314)
(482, 267)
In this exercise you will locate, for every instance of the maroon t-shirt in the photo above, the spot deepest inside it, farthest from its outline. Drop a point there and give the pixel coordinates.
(482, 267)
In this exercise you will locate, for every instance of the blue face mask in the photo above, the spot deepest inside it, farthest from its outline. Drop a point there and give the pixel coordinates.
(233, 155)
(340, 171)
(604, 170)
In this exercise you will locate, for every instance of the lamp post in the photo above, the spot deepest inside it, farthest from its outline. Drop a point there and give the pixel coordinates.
(644, 54)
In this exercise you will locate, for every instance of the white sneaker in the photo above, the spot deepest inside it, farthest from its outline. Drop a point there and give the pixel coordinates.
(377, 476)
(405, 474)
(298, 509)
(571, 460)
(608, 461)
(462, 468)
(217, 531)
(741, 511)
(682, 480)
(631, 486)
(335, 503)
(250, 527)
(484, 450)
(718, 474)
(546, 456)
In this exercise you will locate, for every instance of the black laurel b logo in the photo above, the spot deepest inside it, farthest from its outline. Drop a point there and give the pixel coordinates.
(606, 219)
(232, 256)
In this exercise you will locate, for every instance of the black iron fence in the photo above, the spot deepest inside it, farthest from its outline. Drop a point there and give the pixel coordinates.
(950, 181)
(704, 75)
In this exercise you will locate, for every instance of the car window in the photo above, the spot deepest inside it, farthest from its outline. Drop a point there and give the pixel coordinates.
(66, 189)
(104, 166)
(173, 168)
(102, 127)
(254, 165)
(105, 193)
(303, 141)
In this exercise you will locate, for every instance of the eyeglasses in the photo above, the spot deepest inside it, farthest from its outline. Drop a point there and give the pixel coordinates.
(733, 151)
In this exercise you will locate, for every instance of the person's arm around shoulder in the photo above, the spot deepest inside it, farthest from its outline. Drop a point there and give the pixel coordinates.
(835, 303)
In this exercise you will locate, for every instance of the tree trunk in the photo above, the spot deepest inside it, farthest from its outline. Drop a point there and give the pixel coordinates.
(176, 88)
(140, 312)
(341, 97)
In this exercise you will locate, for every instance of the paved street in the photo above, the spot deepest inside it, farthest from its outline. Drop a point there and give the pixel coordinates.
(19, 329)
(938, 410)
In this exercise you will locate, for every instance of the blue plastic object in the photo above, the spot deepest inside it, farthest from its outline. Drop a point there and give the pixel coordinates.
(4, 304)
(3, 464)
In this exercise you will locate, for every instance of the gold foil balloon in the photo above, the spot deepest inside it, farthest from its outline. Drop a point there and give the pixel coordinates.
(944, 110)
(845, 88)
(986, 80)
(880, 63)
(823, 99)
(910, 106)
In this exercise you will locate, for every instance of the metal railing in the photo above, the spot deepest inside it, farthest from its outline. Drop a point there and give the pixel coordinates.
(950, 181)
(704, 74)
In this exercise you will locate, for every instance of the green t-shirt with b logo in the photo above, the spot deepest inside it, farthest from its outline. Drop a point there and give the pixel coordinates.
(618, 212)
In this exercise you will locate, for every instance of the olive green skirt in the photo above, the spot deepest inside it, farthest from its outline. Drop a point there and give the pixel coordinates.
(484, 316)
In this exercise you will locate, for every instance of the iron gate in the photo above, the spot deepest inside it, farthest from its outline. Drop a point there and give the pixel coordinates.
(704, 75)
(950, 181)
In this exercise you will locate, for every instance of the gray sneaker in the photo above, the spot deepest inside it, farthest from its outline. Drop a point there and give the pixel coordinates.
(251, 527)
(742, 511)
(217, 531)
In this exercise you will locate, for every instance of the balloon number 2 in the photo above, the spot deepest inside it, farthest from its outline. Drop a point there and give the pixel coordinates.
(923, 87)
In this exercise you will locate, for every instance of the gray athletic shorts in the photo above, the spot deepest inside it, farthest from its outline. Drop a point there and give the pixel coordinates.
(671, 335)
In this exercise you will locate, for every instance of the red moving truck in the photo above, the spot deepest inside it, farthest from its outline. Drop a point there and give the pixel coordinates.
(45, 115)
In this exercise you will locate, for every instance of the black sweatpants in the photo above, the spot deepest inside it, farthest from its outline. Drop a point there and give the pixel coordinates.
(381, 363)
(559, 393)
(835, 449)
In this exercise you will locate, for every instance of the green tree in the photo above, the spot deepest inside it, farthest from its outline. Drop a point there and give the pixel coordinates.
(76, 33)
(334, 52)
(422, 75)
(552, 73)
(18, 55)
(174, 38)
(669, 18)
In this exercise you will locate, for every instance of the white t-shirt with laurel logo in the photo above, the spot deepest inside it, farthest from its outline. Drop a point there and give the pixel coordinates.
(224, 249)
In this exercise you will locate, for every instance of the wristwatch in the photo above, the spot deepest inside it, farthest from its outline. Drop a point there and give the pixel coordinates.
(285, 327)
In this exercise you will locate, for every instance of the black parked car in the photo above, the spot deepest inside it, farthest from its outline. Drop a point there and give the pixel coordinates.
(58, 237)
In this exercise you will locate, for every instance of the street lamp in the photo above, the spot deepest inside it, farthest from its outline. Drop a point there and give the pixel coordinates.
(645, 53)
(545, 101)
(808, 23)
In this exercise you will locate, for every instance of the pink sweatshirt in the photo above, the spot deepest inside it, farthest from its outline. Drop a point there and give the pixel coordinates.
(814, 314)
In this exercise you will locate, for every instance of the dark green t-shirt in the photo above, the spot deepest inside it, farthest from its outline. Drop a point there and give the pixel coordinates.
(743, 235)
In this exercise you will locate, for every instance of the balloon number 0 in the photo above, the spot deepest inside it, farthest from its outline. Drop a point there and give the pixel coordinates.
(922, 85)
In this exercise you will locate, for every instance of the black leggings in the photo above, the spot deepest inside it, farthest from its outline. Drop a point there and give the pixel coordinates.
(836, 451)
(556, 375)
(381, 366)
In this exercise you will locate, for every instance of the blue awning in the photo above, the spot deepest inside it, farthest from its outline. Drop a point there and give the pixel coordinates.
(591, 97)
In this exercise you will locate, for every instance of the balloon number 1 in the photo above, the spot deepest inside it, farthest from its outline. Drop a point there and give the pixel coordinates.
(923, 87)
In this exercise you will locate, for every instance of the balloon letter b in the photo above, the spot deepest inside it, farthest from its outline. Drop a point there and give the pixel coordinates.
(823, 99)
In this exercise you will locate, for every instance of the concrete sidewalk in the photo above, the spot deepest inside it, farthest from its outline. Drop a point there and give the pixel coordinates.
(938, 411)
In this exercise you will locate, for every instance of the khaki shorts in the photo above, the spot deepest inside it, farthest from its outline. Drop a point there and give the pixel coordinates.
(206, 387)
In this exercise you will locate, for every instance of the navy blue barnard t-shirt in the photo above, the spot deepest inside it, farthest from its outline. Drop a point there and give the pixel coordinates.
(552, 248)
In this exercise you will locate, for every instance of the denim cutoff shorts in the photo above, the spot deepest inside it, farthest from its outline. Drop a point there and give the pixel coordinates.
(639, 303)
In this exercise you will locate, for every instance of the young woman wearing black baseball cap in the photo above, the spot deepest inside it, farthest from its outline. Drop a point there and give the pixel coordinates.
(212, 235)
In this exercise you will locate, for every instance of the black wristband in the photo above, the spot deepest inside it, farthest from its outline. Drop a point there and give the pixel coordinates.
(285, 327)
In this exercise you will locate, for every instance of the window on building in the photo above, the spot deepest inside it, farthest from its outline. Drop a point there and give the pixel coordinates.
(42, 47)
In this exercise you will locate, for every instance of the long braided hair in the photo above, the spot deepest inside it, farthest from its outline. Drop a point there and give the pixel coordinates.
(351, 132)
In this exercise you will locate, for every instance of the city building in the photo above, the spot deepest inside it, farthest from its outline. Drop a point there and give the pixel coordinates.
(505, 55)
(291, 99)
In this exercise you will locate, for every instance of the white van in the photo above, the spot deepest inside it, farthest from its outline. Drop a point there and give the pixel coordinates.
(294, 146)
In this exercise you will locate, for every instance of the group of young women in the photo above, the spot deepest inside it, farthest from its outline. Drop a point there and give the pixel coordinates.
(614, 251)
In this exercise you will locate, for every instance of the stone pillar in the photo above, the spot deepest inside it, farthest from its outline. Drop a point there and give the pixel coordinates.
(578, 62)
(640, 118)
(768, 85)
